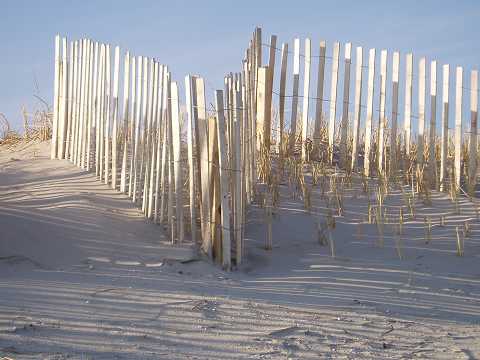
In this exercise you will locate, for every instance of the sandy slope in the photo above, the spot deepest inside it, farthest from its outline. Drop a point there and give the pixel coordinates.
(83, 275)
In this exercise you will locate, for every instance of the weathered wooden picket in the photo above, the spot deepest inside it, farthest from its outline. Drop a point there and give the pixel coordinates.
(139, 148)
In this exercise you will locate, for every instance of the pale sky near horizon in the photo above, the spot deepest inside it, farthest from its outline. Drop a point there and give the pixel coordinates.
(209, 37)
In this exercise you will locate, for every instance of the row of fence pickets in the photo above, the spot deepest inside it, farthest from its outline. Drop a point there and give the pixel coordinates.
(140, 153)
(349, 128)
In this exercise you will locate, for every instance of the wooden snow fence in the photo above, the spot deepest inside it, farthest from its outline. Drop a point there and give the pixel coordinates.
(195, 168)
(366, 135)
(123, 117)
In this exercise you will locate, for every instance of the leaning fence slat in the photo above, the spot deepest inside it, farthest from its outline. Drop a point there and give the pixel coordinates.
(126, 123)
(203, 155)
(191, 120)
(433, 123)
(296, 80)
(62, 126)
(108, 106)
(238, 121)
(101, 138)
(83, 104)
(225, 206)
(306, 94)
(268, 98)
(99, 110)
(132, 130)
(458, 125)
(83, 149)
(421, 111)
(137, 127)
(381, 118)
(116, 70)
(407, 121)
(177, 161)
(214, 185)
(333, 100)
(147, 136)
(472, 166)
(78, 150)
(80, 96)
(253, 109)
(358, 108)
(78, 103)
(88, 106)
(369, 119)
(281, 100)
(154, 138)
(346, 101)
(159, 177)
(393, 132)
(165, 143)
(237, 220)
(56, 94)
(143, 135)
(261, 106)
(71, 86)
(319, 99)
(444, 134)
(91, 104)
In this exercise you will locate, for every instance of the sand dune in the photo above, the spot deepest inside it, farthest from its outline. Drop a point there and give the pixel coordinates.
(83, 275)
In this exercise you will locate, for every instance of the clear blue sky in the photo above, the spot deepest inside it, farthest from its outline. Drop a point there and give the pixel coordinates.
(209, 37)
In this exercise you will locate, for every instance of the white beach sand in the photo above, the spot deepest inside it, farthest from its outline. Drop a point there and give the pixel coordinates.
(84, 276)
